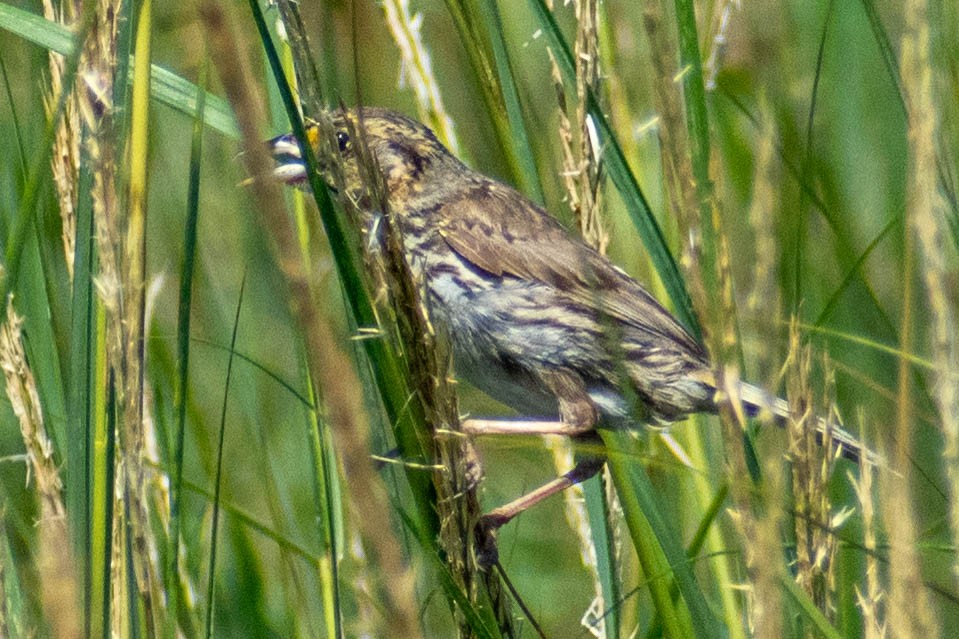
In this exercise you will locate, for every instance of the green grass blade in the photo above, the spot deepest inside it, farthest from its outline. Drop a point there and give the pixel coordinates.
(80, 391)
(218, 472)
(17, 238)
(480, 33)
(603, 540)
(166, 87)
(519, 147)
(328, 508)
(13, 596)
(185, 307)
(660, 550)
(807, 609)
(697, 123)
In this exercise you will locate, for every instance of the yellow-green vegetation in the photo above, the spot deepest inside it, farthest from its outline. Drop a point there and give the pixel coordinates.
(218, 420)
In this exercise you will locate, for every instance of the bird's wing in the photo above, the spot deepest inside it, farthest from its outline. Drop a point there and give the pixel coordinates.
(502, 232)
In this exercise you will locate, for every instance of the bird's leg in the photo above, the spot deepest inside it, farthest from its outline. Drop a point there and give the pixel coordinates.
(578, 419)
(481, 427)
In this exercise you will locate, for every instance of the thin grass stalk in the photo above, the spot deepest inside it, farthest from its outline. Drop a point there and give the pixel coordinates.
(253, 523)
(16, 593)
(133, 318)
(326, 487)
(698, 158)
(604, 616)
(718, 542)
(869, 600)
(5, 561)
(581, 173)
(65, 157)
(910, 611)
(929, 221)
(307, 77)
(15, 117)
(614, 81)
(109, 590)
(344, 407)
(520, 145)
(58, 579)
(480, 29)
(764, 300)
(80, 401)
(218, 470)
(584, 166)
(806, 170)
(719, 30)
(417, 70)
(812, 467)
(808, 614)
(267, 468)
(762, 546)
(183, 354)
(646, 528)
(762, 557)
(710, 268)
(102, 607)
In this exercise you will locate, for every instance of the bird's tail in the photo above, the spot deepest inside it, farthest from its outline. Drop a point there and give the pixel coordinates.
(828, 433)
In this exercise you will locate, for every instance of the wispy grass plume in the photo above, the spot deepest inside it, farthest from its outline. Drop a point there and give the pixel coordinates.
(57, 572)
(582, 178)
(417, 70)
(928, 219)
(65, 156)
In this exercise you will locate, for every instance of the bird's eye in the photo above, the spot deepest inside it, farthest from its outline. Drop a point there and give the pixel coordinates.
(343, 141)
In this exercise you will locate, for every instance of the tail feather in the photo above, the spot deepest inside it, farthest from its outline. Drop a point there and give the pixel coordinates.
(756, 400)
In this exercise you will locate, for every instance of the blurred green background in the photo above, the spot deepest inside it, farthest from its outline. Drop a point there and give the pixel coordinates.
(812, 75)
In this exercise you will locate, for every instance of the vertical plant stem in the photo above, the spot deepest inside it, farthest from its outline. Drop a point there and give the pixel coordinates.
(928, 219)
(910, 612)
(183, 352)
(134, 304)
(218, 472)
(58, 579)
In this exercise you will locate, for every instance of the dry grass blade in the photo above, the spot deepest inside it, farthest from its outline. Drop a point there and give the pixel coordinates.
(58, 579)
(929, 221)
(417, 70)
(910, 610)
(65, 158)
(812, 466)
(870, 599)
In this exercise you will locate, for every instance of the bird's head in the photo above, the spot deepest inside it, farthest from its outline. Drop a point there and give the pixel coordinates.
(354, 143)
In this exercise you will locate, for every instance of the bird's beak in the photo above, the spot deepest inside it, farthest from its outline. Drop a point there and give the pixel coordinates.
(290, 168)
